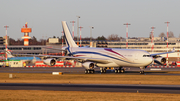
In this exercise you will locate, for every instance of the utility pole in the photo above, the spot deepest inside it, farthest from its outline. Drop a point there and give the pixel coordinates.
(78, 30)
(152, 39)
(167, 43)
(72, 28)
(127, 34)
(91, 27)
(80, 34)
(6, 43)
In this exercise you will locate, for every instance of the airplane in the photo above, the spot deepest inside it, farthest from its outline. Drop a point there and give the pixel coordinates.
(109, 57)
(24, 59)
(104, 57)
(8, 56)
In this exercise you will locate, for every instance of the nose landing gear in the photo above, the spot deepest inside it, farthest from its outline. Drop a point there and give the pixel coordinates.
(142, 70)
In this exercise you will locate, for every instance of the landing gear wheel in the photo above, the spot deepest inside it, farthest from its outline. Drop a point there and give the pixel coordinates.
(119, 71)
(116, 71)
(92, 71)
(122, 70)
(86, 71)
(104, 70)
(89, 71)
(141, 72)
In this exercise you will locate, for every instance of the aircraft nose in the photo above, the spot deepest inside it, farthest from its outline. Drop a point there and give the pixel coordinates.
(150, 60)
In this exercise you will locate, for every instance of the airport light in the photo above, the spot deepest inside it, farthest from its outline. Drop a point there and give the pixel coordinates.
(80, 34)
(62, 41)
(72, 28)
(91, 27)
(78, 30)
(6, 42)
(167, 42)
(127, 34)
(152, 38)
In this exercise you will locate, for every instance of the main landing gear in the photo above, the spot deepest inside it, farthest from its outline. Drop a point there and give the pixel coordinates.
(120, 70)
(103, 70)
(89, 71)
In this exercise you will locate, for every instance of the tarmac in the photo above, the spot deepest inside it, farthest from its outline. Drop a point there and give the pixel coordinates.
(80, 70)
(174, 89)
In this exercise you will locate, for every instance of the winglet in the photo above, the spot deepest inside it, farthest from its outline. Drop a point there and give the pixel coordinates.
(67, 35)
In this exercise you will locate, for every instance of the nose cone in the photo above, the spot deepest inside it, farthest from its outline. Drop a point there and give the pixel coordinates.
(150, 60)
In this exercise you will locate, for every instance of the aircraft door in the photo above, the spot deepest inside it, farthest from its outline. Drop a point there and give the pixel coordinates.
(136, 56)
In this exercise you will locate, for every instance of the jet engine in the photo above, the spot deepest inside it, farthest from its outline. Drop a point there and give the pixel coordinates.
(160, 60)
(50, 62)
(88, 65)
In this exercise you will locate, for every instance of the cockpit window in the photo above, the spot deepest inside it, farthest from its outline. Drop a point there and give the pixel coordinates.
(146, 55)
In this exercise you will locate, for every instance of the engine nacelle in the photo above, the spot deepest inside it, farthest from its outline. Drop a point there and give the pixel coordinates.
(50, 62)
(160, 60)
(88, 65)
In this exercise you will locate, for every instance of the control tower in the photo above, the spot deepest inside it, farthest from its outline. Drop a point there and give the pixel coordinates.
(26, 32)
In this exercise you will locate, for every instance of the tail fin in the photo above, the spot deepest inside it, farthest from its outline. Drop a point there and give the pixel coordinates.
(9, 55)
(67, 35)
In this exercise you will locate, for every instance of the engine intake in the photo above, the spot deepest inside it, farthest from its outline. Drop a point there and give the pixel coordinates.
(50, 62)
(160, 60)
(88, 65)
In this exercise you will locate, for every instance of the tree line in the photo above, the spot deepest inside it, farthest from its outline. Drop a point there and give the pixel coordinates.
(112, 37)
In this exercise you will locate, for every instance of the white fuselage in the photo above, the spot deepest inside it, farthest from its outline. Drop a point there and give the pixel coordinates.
(117, 57)
(114, 57)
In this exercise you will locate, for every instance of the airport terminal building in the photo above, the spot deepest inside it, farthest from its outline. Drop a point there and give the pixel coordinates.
(159, 45)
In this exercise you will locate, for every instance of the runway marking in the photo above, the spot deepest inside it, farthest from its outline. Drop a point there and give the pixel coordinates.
(155, 69)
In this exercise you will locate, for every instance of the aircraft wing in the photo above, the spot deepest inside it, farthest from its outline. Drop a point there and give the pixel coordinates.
(59, 49)
(163, 53)
(83, 59)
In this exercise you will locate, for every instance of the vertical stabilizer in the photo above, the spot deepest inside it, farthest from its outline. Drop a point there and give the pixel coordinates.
(69, 40)
(9, 55)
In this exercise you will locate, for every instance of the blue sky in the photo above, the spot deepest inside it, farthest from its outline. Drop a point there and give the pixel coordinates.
(107, 17)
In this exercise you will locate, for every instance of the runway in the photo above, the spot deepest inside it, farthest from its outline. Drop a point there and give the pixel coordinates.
(175, 89)
(80, 70)
(90, 87)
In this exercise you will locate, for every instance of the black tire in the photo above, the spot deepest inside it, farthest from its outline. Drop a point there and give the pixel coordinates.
(141, 72)
(122, 70)
(119, 71)
(86, 71)
(104, 70)
(89, 71)
(116, 71)
(92, 71)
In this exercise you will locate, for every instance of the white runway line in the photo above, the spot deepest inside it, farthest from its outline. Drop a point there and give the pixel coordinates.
(155, 69)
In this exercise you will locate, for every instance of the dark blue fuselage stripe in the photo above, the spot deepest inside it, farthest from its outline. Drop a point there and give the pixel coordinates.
(101, 55)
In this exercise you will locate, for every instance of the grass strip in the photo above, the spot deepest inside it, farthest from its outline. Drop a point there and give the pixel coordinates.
(38, 95)
(90, 78)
